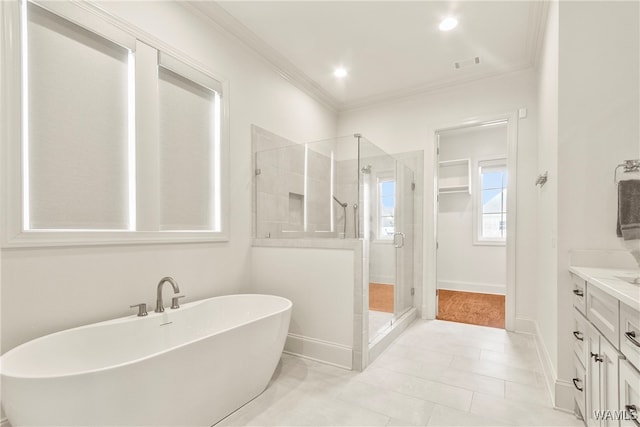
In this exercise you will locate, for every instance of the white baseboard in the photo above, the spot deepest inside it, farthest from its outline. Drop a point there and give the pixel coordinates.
(483, 288)
(319, 350)
(527, 326)
(564, 396)
(382, 280)
(550, 375)
(561, 391)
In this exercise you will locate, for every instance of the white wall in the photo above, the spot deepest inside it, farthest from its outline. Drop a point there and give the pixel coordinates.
(45, 290)
(322, 321)
(547, 253)
(589, 122)
(598, 128)
(463, 265)
(410, 124)
(382, 268)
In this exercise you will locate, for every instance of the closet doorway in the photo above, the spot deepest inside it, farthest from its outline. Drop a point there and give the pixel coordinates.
(473, 223)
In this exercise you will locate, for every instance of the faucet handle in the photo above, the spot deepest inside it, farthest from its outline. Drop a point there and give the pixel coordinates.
(174, 301)
(142, 309)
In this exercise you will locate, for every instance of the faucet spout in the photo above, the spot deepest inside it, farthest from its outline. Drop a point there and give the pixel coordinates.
(174, 285)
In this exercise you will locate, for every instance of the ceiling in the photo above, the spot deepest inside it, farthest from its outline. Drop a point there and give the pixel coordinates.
(391, 49)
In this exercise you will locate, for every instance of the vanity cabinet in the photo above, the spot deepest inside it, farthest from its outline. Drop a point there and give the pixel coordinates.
(603, 312)
(606, 355)
(630, 394)
(629, 374)
(579, 332)
(630, 334)
(602, 379)
(579, 294)
(595, 380)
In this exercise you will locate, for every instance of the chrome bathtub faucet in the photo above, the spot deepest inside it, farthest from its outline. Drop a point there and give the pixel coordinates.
(174, 285)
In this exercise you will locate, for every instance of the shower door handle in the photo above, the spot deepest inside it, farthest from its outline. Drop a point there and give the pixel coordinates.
(398, 240)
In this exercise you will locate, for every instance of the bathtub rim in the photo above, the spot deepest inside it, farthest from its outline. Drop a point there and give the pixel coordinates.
(131, 318)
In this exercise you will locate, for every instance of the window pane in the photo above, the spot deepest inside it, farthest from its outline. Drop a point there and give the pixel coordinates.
(493, 226)
(504, 200)
(77, 126)
(387, 227)
(492, 179)
(387, 189)
(187, 134)
(386, 208)
(492, 201)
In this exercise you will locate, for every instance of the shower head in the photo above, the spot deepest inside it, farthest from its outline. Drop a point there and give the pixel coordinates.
(366, 169)
(344, 205)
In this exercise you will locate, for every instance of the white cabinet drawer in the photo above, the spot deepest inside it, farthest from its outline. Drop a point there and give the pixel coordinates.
(629, 395)
(603, 312)
(579, 292)
(579, 331)
(630, 334)
(579, 386)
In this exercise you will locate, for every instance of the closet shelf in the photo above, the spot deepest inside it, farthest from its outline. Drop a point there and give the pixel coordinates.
(454, 189)
(454, 176)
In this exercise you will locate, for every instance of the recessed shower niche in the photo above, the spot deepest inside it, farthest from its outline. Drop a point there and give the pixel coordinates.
(296, 211)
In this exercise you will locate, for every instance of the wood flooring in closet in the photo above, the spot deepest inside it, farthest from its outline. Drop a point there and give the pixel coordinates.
(470, 307)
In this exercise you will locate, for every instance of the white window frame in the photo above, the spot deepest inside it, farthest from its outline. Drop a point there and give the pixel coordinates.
(381, 177)
(96, 20)
(478, 240)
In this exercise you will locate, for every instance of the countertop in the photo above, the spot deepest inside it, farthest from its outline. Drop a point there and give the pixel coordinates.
(609, 280)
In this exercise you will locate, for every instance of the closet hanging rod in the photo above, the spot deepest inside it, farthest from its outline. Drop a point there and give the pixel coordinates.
(628, 166)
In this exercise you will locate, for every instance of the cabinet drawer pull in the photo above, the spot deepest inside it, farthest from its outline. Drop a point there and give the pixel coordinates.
(578, 335)
(597, 357)
(575, 384)
(631, 336)
(578, 292)
(633, 414)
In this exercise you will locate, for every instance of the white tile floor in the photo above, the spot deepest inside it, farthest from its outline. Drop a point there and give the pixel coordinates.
(436, 374)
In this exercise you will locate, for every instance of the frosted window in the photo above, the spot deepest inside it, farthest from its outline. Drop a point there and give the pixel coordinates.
(77, 124)
(187, 154)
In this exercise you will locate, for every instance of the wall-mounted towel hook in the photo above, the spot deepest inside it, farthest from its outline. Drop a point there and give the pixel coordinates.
(542, 179)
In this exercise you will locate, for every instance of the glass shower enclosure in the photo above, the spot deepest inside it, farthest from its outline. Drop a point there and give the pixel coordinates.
(343, 188)
(387, 188)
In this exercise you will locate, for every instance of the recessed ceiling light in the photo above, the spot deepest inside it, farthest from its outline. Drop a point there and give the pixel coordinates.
(340, 72)
(448, 24)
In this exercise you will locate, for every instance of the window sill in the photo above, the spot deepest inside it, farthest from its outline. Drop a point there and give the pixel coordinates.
(383, 241)
(489, 243)
(35, 239)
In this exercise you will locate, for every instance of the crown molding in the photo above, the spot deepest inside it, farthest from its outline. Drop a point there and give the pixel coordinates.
(224, 21)
(227, 23)
(538, 12)
(403, 94)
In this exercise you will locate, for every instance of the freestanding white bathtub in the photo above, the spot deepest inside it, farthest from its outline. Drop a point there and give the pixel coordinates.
(186, 367)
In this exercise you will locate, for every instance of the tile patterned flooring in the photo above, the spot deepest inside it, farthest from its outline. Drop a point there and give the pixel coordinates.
(436, 373)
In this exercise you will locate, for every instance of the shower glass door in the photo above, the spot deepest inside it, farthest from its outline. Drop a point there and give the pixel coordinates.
(404, 238)
(386, 219)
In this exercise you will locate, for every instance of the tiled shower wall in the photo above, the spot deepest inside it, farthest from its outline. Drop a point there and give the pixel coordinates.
(282, 201)
(285, 199)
